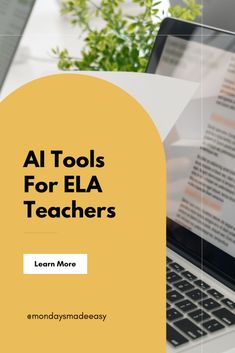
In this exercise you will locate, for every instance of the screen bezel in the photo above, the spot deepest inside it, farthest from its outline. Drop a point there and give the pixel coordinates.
(197, 250)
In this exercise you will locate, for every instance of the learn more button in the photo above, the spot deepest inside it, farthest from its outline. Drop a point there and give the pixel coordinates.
(55, 264)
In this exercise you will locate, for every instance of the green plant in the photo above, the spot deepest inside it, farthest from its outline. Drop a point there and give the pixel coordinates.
(124, 42)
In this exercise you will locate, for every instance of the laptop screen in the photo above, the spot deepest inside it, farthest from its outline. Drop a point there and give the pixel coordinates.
(200, 149)
(13, 18)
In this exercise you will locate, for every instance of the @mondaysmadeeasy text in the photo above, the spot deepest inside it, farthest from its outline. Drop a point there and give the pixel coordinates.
(60, 317)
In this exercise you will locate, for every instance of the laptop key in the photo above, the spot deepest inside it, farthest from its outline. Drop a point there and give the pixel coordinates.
(174, 337)
(229, 303)
(172, 277)
(225, 316)
(202, 284)
(196, 294)
(174, 296)
(183, 286)
(176, 267)
(199, 315)
(168, 260)
(209, 304)
(173, 314)
(188, 275)
(213, 325)
(186, 305)
(215, 294)
(189, 328)
(168, 287)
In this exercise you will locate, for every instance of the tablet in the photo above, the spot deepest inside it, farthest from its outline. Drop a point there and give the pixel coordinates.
(14, 15)
(200, 147)
(186, 32)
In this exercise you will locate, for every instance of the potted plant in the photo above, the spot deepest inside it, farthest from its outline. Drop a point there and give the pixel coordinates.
(122, 42)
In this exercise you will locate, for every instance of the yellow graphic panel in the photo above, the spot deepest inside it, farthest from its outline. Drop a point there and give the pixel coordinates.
(83, 220)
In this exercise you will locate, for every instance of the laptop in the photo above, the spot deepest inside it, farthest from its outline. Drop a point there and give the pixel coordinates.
(14, 15)
(200, 155)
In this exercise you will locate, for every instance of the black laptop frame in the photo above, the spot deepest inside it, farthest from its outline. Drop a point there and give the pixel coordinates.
(195, 249)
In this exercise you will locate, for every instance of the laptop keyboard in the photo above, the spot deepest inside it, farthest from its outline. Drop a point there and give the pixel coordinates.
(194, 309)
